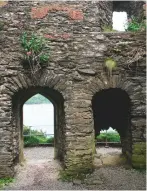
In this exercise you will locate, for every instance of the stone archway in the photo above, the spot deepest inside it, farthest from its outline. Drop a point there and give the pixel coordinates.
(57, 100)
(111, 108)
(104, 82)
(15, 92)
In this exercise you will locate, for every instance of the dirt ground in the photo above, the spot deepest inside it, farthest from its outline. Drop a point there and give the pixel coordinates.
(41, 172)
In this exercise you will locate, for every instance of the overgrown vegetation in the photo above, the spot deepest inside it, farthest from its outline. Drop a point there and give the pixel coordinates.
(38, 99)
(111, 137)
(35, 137)
(5, 181)
(36, 51)
(135, 25)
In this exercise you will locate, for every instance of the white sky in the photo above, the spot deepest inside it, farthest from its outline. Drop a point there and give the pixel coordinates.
(119, 20)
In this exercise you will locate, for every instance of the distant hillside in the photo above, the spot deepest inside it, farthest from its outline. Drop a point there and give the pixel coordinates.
(38, 99)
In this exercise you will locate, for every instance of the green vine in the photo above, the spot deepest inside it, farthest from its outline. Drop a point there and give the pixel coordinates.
(36, 51)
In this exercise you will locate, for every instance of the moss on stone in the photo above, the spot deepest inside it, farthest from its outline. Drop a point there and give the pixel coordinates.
(77, 167)
(74, 173)
(139, 155)
(139, 148)
(138, 161)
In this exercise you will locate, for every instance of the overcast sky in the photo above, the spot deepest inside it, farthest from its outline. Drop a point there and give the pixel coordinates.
(119, 20)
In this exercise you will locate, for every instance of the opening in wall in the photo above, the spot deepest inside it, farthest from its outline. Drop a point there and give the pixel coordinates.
(119, 21)
(38, 126)
(41, 124)
(111, 108)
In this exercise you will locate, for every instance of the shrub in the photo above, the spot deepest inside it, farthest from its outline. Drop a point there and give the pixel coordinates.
(134, 25)
(111, 137)
(35, 137)
(36, 51)
(42, 139)
(27, 131)
(50, 140)
(31, 140)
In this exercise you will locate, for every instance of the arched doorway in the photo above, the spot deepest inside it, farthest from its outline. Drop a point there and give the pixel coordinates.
(18, 101)
(38, 122)
(111, 108)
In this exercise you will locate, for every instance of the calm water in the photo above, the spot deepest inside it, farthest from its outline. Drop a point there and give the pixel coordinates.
(39, 117)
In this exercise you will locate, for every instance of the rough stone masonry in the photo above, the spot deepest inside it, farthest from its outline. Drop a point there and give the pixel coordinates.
(74, 73)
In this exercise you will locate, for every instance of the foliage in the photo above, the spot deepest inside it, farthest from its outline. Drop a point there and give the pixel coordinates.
(111, 137)
(28, 131)
(135, 25)
(36, 137)
(31, 140)
(36, 140)
(38, 99)
(36, 51)
(50, 140)
(5, 181)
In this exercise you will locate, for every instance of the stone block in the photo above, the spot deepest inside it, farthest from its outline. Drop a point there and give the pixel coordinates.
(97, 162)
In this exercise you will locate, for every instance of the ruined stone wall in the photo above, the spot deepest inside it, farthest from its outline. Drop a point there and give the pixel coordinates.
(132, 8)
(75, 70)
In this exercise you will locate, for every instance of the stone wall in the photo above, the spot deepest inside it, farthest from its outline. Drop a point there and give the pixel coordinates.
(132, 8)
(74, 73)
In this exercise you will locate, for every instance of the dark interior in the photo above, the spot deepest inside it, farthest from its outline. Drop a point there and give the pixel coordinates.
(111, 108)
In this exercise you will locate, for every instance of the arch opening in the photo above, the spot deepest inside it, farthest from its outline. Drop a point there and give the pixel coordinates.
(38, 121)
(120, 21)
(111, 108)
(18, 101)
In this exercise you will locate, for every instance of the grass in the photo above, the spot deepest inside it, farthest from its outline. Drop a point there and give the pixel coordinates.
(5, 181)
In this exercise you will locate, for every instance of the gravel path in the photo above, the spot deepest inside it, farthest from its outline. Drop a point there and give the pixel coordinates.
(40, 172)
(109, 150)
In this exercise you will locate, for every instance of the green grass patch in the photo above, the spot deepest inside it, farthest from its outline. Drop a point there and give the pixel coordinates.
(5, 181)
